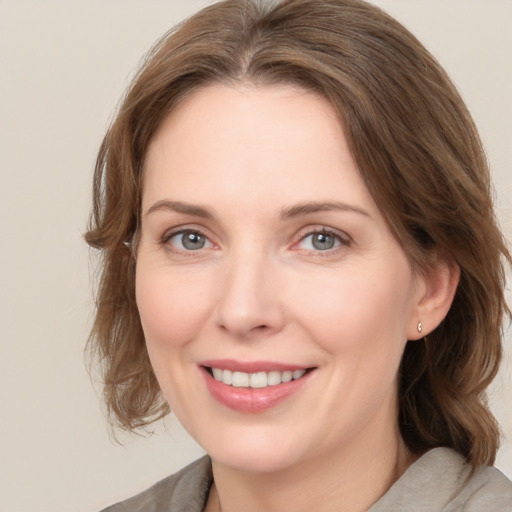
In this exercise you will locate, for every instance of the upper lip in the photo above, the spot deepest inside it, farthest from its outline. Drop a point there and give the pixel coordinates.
(251, 366)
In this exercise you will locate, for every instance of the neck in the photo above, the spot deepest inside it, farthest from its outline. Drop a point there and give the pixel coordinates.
(348, 480)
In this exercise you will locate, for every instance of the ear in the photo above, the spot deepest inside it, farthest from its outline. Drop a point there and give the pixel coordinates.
(436, 288)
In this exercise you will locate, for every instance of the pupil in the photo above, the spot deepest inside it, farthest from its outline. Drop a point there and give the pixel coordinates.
(323, 241)
(193, 241)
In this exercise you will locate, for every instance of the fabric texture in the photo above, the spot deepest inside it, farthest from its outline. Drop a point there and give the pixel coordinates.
(440, 481)
(185, 491)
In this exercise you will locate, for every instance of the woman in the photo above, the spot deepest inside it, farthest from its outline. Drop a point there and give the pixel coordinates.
(301, 260)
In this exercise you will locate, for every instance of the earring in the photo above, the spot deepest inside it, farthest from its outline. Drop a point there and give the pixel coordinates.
(420, 327)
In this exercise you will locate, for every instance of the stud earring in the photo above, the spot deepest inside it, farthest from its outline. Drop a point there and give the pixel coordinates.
(420, 327)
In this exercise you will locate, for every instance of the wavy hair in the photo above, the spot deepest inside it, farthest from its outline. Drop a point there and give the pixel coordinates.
(416, 147)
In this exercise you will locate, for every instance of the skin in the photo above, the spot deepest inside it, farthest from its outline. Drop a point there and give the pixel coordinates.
(259, 289)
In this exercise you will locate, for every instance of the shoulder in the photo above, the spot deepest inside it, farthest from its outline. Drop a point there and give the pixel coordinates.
(185, 491)
(487, 489)
(441, 481)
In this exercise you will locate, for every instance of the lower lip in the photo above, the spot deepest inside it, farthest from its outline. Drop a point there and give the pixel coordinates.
(252, 400)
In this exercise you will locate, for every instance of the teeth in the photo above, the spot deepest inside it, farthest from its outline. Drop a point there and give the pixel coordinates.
(273, 378)
(286, 376)
(227, 377)
(258, 380)
(255, 380)
(297, 374)
(240, 380)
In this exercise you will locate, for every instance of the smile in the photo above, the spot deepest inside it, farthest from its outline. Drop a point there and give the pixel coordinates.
(253, 387)
(255, 380)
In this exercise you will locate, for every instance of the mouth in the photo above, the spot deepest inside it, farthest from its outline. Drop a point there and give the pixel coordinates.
(260, 387)
(257, 380)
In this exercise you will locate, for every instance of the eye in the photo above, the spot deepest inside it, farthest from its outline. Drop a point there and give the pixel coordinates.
(323, 240)
(188, 240)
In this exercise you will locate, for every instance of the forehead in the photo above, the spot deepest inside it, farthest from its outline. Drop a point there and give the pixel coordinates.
(266, 143)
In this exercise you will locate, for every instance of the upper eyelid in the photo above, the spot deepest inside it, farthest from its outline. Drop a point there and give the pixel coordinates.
(310, 230)
(176, 230)
(344, 241)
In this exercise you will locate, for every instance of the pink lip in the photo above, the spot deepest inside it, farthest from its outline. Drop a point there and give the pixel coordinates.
(252, 400)
(251, 366)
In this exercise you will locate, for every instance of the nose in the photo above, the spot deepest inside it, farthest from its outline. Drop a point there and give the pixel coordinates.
(250, 297)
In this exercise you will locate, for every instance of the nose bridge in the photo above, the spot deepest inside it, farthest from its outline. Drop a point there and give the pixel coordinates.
(249, 299)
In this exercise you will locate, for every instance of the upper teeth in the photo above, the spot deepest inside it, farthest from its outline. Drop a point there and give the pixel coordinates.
(255, 380)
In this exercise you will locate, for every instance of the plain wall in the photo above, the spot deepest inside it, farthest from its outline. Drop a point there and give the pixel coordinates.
(63, 67)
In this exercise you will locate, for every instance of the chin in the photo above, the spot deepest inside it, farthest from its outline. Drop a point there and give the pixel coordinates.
(255, 452)
(255, 460)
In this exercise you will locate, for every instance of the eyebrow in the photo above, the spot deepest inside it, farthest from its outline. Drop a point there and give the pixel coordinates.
(314, 207)
(297, 210)
(180, 207)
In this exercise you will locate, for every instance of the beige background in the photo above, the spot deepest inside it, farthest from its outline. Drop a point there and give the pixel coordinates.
(63, 65)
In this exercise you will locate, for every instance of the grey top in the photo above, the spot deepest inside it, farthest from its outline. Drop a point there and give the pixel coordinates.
(439, 481)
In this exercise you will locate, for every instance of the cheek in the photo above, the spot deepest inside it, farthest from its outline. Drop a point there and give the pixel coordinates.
(172, 307)
(358, 311)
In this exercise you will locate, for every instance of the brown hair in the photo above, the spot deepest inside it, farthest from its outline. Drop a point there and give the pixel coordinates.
(416, 147)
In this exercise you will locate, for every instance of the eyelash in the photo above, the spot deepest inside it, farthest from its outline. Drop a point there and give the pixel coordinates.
(341, 240)
(182, 231)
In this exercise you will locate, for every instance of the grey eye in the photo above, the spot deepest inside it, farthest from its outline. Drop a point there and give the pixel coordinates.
(193, 241)
(323, 241)
(189, 241)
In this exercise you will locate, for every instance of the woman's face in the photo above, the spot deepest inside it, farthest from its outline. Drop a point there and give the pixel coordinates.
(263, 258)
